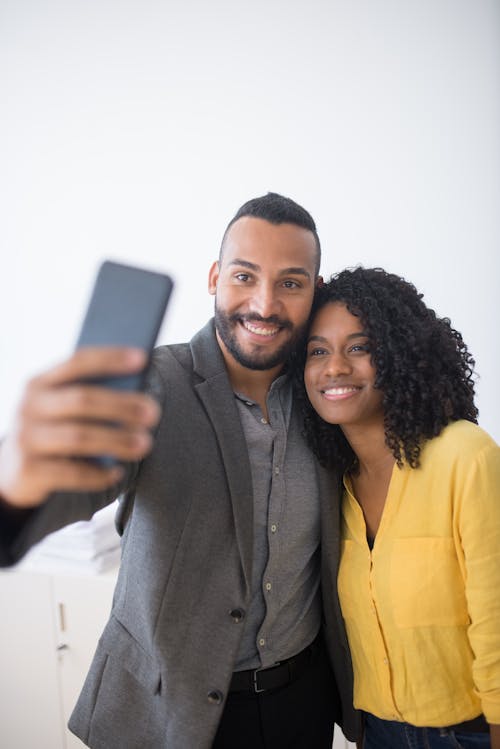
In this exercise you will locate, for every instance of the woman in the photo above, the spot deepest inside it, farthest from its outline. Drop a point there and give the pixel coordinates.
(419, 578)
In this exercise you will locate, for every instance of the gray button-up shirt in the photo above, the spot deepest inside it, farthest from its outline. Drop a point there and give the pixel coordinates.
(284, 614)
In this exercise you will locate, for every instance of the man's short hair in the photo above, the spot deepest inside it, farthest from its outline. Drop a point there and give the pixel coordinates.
(277, 209)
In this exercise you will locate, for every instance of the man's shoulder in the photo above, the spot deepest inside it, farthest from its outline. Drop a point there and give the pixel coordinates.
(194, 361)
(164, 356)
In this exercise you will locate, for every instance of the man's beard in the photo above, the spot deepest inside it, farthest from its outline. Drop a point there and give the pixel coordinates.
(259, 358)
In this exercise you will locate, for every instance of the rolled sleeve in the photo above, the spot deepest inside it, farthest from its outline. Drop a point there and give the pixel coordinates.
(478, 523)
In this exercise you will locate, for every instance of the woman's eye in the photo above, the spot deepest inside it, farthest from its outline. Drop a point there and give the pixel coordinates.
(360, 347)
(316, 352)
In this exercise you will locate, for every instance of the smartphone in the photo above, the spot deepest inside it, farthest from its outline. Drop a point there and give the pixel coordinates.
(126, 308)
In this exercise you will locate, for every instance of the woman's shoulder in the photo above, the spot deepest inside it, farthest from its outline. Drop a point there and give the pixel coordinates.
(463, 429)
(462, 439)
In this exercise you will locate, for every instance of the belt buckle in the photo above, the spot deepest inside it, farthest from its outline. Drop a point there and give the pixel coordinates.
(254, 677)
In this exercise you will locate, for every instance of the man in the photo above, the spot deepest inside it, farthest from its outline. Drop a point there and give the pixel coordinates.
(214, 637)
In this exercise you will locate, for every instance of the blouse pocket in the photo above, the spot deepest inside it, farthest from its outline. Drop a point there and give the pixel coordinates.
(426, 586)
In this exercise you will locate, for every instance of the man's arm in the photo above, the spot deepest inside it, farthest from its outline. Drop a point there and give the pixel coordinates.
(62, 420)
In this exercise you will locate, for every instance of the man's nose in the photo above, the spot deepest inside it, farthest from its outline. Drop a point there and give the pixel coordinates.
(265, 300)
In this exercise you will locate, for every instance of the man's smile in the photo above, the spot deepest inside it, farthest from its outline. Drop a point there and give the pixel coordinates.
(266, 330)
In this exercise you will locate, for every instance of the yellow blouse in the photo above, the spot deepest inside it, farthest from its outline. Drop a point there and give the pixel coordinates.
(422, 609)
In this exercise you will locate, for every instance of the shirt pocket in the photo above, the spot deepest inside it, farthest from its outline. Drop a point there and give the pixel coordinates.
(426, 585)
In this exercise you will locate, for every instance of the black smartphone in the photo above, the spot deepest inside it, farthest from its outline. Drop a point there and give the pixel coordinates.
(126, 308)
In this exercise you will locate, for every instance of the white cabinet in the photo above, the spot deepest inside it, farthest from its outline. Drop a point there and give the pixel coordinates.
(78, 632)
(49, 627)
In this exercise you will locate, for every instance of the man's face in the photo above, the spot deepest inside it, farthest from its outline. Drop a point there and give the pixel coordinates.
(264, 287)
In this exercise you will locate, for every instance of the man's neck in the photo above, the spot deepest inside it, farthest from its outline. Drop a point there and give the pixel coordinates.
(255, 388)
(253, 383)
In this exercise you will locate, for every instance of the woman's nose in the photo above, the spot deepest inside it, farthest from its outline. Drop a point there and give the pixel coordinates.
(337, 364)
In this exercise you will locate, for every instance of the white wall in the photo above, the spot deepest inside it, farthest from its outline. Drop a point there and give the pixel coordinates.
(135, 128)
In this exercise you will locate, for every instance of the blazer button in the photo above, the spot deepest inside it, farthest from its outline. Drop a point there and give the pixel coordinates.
(237, 615)
(215, 697)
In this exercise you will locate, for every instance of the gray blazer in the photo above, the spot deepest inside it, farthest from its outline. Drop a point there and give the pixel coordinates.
(164, 661)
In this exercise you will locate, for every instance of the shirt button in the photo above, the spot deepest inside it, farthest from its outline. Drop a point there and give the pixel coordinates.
(237, 615)
(262, 642)
(386, 661)
(274, 528)
(268, 586)
(215, 697)
(263, 421)
(276, 471)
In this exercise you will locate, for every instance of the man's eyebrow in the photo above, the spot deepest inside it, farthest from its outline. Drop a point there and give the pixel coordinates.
(299, 271)
(295, 272)
(245, 264)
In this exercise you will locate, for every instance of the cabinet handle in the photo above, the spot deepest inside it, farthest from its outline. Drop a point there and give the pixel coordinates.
(62, 618)
(62, 647)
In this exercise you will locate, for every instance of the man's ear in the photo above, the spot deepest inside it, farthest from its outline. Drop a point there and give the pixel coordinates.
(319, 282)
(213, 277)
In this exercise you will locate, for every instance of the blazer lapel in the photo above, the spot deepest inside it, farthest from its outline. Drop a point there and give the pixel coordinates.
(330, 484)
(330, 497)
(216, 394)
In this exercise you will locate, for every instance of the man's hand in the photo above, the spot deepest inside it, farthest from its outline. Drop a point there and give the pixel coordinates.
(61, 420)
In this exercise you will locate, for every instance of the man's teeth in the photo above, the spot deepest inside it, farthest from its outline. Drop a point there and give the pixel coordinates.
(258, 330)
(340, 391)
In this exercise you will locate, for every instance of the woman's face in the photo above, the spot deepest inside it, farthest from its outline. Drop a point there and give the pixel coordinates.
(339, 374)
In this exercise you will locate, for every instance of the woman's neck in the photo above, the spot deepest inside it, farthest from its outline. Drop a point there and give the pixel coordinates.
(370, 482)
(369, 446)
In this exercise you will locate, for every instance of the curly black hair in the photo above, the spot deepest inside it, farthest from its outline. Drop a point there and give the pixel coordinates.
(423, 367)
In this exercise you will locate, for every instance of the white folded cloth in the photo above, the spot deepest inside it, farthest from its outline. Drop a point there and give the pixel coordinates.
(92, 545)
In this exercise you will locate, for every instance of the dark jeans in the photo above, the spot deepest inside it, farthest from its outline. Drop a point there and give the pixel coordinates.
(386, 734)
(299, 715)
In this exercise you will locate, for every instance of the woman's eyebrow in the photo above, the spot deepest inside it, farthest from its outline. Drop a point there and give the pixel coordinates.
(361, 334)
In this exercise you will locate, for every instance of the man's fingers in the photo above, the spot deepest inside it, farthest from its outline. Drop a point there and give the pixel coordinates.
(85, 440)
(80, 475)
(88, 402)
(28, 480)
(72, 475)
(62, 418)
(91, 362)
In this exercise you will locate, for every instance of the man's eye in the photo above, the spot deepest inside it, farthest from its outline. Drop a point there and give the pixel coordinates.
(291, 284)
(242, 277)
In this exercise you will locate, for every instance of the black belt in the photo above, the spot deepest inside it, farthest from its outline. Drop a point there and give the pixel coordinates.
(475, 725)
(282, 673)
